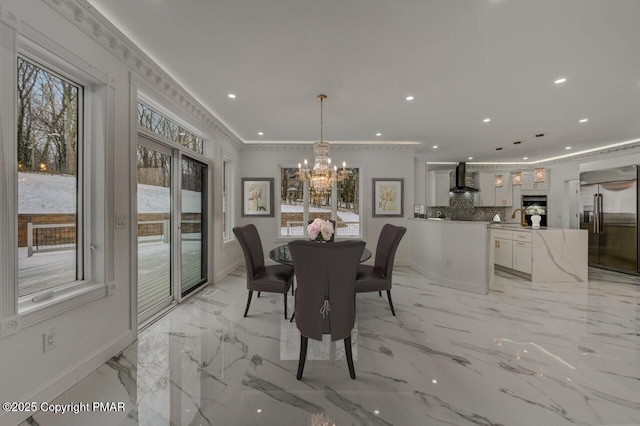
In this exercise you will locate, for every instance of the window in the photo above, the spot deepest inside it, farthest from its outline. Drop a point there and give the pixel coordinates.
(348, 209)
(293, 203)
(227, 215)
(161, 125)
(49, 149)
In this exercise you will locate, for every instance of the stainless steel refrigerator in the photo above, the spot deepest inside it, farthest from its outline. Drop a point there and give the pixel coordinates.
(609, 211)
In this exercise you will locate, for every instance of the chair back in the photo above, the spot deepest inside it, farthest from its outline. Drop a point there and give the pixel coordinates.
(333, 236)
(325, 296)
(249, 240)
(388, 242)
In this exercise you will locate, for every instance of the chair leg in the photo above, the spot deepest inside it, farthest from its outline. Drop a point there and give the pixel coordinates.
(393, 311)
(259, 294)
(379, 294)
(303, 356)
(347, 349)
(285, 304)
(248, 303)
(293, 315)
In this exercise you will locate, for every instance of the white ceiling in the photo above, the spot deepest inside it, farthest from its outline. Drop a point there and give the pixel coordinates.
(463, 60)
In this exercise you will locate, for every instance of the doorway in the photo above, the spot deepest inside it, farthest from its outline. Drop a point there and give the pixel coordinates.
(171, 225)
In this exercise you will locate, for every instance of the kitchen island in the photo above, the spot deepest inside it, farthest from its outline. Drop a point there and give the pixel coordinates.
(450, 253)
(541, 255)
(461, 254)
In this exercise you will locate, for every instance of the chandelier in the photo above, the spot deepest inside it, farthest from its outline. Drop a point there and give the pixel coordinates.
(322, 177)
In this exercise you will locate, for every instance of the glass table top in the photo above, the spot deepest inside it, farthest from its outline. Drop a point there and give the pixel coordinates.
(282, 255)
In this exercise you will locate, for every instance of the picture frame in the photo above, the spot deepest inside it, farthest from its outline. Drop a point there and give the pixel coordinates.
(388, 197)
(257, 197)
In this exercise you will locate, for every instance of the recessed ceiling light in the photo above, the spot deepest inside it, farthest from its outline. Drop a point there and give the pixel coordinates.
(567, 147)
(435, 147)
(434, 381)
(584, 120)
(376, 412)
(525, 158)
(231, 95)
(409, 98)
(378, 134)
(470, 158)
(260, 133)
(486, 120)
(259, 410)
(560, 80)
(499, 148)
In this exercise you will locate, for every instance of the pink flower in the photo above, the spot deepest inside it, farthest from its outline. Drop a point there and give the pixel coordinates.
(313, 229)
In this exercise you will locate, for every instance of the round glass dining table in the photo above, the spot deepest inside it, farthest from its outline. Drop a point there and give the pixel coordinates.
(282, 255)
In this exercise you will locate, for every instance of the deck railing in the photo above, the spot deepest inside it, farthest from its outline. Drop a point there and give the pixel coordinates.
(50, 237)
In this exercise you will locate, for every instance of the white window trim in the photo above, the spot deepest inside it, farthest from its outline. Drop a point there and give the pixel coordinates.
(229, 200)
(20, 312)
(334, 206)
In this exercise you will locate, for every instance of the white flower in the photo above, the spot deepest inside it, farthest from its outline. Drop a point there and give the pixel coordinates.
(534, 209)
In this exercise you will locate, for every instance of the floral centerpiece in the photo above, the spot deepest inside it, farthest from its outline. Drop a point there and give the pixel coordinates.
(534, 209)
(320, 230)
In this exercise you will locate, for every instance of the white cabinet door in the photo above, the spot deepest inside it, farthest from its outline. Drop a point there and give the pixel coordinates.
(487, 186)
(529, 184)
(522, 256)
(442, 189)
(504, 194)
(503, 252)
(438, 189)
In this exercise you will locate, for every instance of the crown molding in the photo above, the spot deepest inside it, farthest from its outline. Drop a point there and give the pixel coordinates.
(91, 22)
(334, 147)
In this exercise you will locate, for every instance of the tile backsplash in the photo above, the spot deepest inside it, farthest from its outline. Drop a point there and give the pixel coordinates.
(461, 205)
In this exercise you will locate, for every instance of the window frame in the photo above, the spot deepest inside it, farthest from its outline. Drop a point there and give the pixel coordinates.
(82, 252)
(94, 153)
(227, 212)
(334, 205)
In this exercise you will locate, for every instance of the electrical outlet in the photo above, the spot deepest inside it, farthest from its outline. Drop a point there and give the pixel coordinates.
(49, 339)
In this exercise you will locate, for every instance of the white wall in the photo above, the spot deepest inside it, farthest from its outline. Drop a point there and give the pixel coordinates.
(90, 334)
(374, 162)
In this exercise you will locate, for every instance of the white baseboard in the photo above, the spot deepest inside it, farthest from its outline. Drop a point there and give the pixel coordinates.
(69, 377)
(226, 271)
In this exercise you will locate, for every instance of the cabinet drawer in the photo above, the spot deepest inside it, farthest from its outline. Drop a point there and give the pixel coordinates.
(501, 233)
(522, 236)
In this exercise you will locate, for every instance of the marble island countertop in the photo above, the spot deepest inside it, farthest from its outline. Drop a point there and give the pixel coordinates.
(463, 256)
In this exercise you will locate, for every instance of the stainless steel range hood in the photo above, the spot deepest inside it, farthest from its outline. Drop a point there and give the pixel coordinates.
(461, 186)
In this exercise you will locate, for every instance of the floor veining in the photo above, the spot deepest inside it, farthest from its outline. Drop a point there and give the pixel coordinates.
(526, 354)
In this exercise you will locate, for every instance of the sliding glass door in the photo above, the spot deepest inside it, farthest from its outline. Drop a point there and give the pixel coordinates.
(154, 223)
(193, 219)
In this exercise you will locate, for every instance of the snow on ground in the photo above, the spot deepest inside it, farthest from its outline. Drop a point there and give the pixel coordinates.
(345, 216)
(353, 220)
(48, 193)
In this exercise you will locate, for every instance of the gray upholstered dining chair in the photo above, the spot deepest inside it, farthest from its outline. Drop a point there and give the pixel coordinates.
(378, 277)
(325, 294)
(273, 278)
(333, 222)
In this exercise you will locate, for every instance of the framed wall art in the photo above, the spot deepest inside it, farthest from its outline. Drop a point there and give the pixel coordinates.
(388, 197)
(257, 197)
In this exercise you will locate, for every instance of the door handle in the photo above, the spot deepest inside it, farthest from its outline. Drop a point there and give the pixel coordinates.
(596, 215)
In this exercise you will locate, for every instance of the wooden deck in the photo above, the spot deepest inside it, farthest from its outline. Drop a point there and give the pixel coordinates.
(46, 270)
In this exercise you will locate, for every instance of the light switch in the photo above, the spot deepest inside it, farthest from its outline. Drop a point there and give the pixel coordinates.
(121, 221)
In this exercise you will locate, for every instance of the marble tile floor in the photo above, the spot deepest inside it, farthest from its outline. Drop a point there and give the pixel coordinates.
(526, 354)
